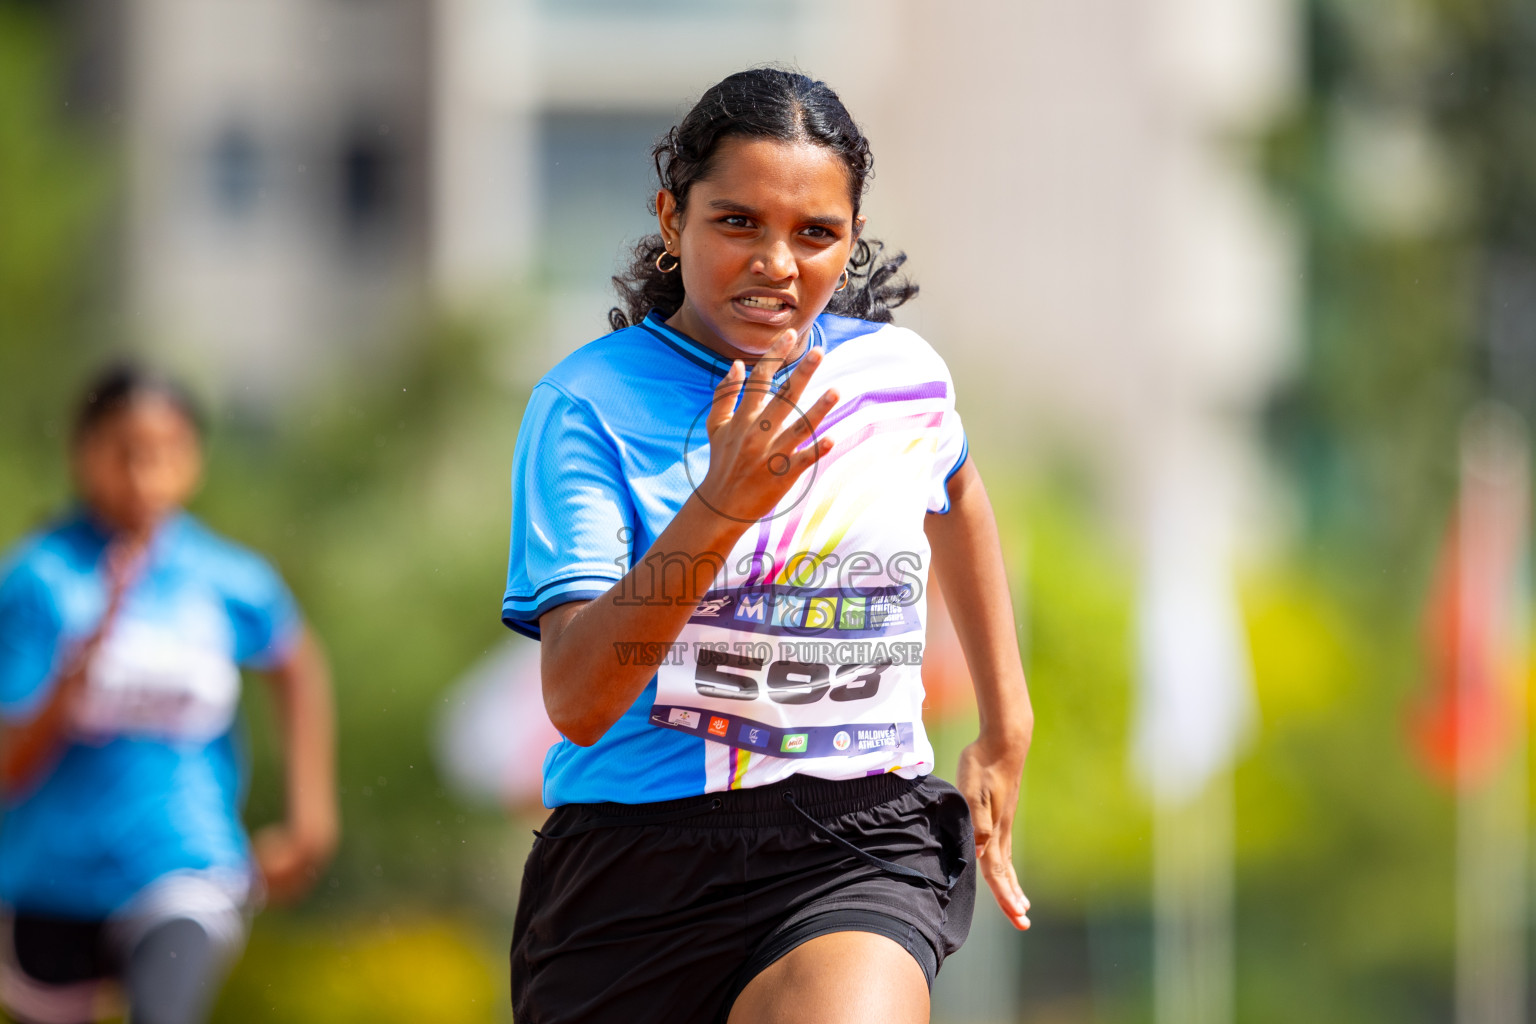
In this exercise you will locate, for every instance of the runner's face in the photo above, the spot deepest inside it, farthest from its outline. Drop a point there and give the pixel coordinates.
(139, 465)
(762, 244)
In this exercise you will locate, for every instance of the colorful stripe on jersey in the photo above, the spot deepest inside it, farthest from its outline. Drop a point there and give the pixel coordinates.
(923, 423)
(795, 539)
(742, 760)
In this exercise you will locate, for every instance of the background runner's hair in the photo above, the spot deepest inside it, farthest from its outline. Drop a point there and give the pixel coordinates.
(119, 386)
(764, 103)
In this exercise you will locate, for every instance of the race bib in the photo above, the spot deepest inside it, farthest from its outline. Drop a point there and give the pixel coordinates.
(796, 673)
(148, 680)
(809, 645)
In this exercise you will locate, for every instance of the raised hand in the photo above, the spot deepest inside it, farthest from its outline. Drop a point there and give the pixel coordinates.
(757, 448)
(123, 562)
(28, 748)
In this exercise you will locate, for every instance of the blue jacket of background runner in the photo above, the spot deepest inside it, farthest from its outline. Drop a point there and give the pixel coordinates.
(153, 778)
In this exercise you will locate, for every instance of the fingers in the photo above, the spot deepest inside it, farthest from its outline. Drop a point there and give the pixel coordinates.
(772, 408)
(805, 457)
(1005, 856)
(795, 386)
(760, 440)
(983, 827)
(124, 561)
(724, 401)
(769, 362)
(1003, 880)
(806, 423)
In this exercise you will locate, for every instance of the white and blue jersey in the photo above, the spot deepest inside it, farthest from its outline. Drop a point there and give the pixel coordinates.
(804, 655)
(153, 775)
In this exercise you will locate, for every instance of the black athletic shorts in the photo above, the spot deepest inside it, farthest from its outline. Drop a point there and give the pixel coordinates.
(665, 911)
(62, 950)
(57, 969)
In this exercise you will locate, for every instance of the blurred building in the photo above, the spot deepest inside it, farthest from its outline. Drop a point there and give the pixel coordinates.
(1077, 184)
(1074, 179)
(546, 111)
(276, 216)
(1069, 176)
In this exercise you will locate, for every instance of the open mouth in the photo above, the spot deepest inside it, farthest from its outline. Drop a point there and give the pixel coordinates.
(758, 302)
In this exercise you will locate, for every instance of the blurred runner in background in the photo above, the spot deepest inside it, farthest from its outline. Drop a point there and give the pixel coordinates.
(493, 733)
(125, 872)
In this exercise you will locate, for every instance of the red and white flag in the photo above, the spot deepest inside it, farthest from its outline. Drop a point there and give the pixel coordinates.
(1476, 623)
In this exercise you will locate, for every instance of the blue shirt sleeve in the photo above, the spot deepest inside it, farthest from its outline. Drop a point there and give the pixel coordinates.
(261, 609)
(572, 519)
(31, 631)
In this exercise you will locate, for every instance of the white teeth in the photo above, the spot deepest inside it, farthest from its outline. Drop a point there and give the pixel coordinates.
(757, 303)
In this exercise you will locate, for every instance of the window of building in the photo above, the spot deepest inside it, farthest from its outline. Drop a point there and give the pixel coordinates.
(234, 170)
(367, 171)
(596, 179)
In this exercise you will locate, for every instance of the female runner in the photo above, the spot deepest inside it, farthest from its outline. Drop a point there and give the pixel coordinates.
(123, 864)
(722, 519)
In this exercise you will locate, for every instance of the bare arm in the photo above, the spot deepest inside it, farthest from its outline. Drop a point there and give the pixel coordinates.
(968, 559)
(587, 687)
(291, 854)
(27, 748)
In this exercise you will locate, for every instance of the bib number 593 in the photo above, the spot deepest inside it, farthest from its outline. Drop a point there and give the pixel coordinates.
(736, 677)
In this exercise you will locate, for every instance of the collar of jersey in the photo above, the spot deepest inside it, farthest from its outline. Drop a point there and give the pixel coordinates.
(81, 516)
(712, 360)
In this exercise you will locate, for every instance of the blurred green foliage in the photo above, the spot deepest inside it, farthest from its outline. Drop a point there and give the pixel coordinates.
(55, 186)
(386, 508)
(1411, 163)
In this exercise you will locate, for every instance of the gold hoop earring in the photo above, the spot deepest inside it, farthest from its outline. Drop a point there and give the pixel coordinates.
(844, 280)
(676, 262)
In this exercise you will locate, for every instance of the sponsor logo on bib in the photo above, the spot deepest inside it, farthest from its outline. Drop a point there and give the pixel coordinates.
(711, 607)
(875, 739)
(754, 736)
(683, 717)
(719, 726)
(842, 740)
(794, 743)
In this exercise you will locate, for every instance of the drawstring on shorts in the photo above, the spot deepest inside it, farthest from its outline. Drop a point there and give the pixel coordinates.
(890, 867)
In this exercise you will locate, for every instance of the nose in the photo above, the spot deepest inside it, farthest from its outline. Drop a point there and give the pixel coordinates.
(776, 262)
